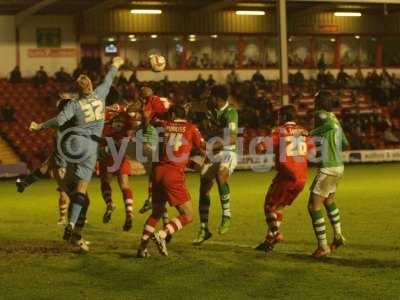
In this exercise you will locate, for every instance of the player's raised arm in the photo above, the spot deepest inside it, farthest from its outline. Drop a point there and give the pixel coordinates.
(66, 114)
(104, 88)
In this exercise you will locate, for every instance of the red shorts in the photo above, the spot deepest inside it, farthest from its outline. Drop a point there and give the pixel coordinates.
(284, 190)
(124, 169)
(169, 185)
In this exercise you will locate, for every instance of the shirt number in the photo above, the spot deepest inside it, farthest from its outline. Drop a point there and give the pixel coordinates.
(93, 111)
(296, 146)
(175, 140)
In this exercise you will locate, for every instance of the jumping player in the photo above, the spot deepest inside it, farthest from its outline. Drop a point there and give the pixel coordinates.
(88, 111)
(225, 118)
(169, 184)
(323, 189)
(290, 142)
(155, 108)
(118, 127)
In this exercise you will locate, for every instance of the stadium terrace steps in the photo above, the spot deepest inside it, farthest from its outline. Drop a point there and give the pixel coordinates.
(30, 103)
(7, 154)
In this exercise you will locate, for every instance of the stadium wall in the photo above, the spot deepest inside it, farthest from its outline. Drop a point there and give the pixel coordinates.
(7, 45)
(121, 21)
(244, 74)
(51, 62)
(30, 56)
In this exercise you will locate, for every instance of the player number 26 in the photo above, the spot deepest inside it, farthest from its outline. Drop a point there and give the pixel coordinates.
(93, 111)
(296, 146)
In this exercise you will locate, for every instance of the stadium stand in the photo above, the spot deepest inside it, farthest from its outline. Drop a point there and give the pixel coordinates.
(7, 154)
(370, 125)
(29, 103)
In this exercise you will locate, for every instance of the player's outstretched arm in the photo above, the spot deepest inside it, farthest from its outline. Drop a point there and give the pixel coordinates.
(103, 89)
(66, 114)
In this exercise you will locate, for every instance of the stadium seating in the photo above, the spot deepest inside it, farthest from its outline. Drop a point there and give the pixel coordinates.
(35, 103)
(30, 103)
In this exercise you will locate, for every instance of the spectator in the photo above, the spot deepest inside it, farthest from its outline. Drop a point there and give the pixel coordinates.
(133, 78)
(375, 79)
(8, 112)
(199, 86)
(321, 78)
(264, 109)
(62, 77)
(232, 78)
(321, 62)
(258, 77)
(342, 77)
(298, 78)
(165, 81)
(385, 75)
(41, 77)
(210, 81)
(15, 75)
(359, 78)
(329, 79)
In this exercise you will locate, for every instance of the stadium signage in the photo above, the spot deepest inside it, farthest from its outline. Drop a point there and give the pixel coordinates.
(251, 162)
(327, 28)
(52, 52)
(365, 156)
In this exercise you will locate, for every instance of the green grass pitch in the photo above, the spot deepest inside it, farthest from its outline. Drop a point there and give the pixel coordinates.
(34, 264)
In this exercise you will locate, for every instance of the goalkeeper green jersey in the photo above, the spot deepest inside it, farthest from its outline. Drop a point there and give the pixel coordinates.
(225, 118)
(333, 138)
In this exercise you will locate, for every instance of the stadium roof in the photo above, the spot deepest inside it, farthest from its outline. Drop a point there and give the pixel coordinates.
(198, 6)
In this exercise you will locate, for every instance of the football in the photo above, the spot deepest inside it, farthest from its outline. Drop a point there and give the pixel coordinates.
(157, 62)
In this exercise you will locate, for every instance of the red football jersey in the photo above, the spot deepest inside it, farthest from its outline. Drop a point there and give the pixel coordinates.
(113, 110)
(156, 106)
(291, 148)
(118, 127)
(178, 139)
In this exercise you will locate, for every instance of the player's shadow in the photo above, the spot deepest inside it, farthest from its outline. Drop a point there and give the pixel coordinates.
(348, 262)
(375, 247)
(34, 247)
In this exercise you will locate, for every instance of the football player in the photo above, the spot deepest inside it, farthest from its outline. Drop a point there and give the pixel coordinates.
(221, 166)
(323, 190)
(169, 183)
(290, 145)
(155, 108)
(118, 127)
(88, 110)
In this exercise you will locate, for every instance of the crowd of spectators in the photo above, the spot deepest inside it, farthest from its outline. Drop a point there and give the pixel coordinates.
(256, 97)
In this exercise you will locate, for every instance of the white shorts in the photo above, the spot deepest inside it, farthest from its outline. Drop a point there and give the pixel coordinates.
(224, 160)
(326, 181)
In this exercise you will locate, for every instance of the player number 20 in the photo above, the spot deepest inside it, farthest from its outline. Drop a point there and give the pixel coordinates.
(296, 146)
(93, 111)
